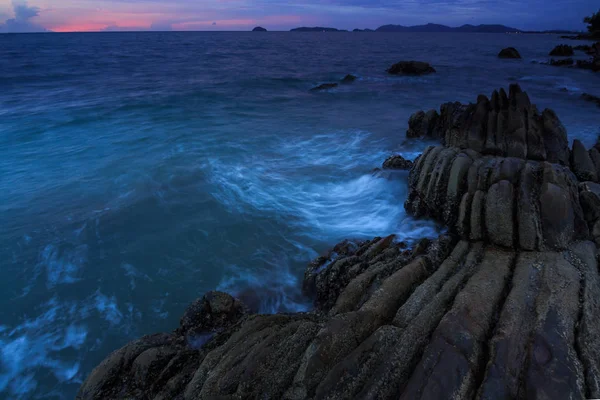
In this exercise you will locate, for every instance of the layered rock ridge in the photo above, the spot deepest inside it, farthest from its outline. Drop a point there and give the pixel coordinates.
(505, 305)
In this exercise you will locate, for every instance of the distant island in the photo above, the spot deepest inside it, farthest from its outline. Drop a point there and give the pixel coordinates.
(443, 28)
(493, 28)
(259, 29)
(316, 29)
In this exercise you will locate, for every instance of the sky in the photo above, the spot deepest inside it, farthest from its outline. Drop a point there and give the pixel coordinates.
(125, 15)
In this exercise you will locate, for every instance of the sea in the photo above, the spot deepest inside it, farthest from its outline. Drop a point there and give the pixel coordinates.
(141, 170)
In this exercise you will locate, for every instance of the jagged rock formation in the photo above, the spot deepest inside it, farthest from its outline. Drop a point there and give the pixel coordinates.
(506, 304)
(562, 50)
(509, 52)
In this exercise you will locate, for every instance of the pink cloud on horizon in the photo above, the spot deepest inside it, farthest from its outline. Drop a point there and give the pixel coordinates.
(99, 21)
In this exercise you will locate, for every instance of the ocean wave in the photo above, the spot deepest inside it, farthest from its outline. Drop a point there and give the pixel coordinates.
(323, 185)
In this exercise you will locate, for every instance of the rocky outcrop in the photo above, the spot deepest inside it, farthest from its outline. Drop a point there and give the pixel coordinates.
(397, 162)
(411, 68)
(505, 305)
(259, 29)
(505, 175)
(562, 50)
(505, 125)
(509, 52)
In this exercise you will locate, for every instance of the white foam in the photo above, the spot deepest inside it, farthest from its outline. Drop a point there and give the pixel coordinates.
(62, 266)
(323, 185)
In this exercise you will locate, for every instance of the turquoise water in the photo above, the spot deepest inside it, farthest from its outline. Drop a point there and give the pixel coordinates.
(140, 170)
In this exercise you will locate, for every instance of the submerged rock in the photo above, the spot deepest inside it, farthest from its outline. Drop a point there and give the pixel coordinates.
(509, 52)
(324, 86)
(567, 62)
(583, 47)
(592, 98)
(397, 162)
(411, 68)
(562, 50)
(503, 305)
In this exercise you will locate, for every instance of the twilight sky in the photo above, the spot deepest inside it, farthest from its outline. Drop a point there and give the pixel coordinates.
(97, 15)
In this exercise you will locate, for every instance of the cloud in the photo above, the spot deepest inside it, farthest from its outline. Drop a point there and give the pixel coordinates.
(69, 15)
(22, 19)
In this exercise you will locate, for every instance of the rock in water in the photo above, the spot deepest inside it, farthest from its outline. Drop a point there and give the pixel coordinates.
(583, 47)
(567, 62)
(504, 305)
(397, 162)
(349, 79)
(509, 52)
(324, 86)
(592, 98)
(411, 68)
(562, 50)
(259, 29)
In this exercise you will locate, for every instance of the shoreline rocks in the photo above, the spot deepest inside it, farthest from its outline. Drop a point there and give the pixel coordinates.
(397, 162)
(502, 305)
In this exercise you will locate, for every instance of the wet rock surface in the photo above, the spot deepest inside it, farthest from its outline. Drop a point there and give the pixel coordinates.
(505, 305)
(397, 162)
(411, 68)
(509, 52)
(562, 50)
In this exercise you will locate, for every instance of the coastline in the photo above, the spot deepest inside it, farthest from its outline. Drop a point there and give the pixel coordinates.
(514, 282)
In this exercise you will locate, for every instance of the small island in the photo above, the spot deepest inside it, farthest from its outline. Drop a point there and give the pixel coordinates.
(316, 29)
(259, 29)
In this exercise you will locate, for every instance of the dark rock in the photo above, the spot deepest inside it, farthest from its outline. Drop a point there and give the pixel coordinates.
(582, 164)
(259, 29)
(423, 125)
(349, 79)
(411, 68)
(567, 62)
(324, 86)
(509, 52)
(397, 162)
(562, 50)
(583, 47)
(213, 312)
(592, 98)
(593, 65)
